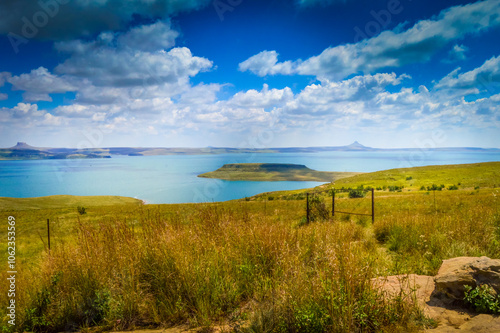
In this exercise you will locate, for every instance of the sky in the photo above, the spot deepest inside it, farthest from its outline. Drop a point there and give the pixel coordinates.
(253, 74)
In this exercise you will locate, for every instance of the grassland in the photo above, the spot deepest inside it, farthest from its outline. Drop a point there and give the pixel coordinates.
(251, 265)
(58, 201)
(273, 172)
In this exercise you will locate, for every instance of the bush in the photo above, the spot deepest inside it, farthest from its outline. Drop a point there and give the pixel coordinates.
(81, 210)
(434, 187)
(395, 188)
(318, 210)
(356, 194)
(452, 187)
(409, 178)
(482, 299)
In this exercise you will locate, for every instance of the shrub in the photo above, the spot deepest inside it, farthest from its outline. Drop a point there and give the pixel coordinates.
(452, 187)
(395, 188)
(318, 210)
(482, 299)
(356, 194)
(81, 210)
(409, 178)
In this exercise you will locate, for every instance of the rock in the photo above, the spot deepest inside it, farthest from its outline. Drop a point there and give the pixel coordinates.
(420, 286)
(457, 273)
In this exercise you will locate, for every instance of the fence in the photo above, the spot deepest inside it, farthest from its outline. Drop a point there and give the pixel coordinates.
(372, 214)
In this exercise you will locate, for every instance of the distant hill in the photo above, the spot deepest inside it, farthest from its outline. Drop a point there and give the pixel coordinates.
(24, 151)
(24, 146)
(273, 172)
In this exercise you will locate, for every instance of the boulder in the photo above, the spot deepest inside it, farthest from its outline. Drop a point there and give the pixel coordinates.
(457, 273)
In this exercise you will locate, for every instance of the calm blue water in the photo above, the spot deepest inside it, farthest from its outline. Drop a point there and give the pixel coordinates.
(172, 179)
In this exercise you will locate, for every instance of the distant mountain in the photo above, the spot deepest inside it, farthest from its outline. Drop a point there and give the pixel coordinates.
(24, 146)
(357, 146)
(23, 151)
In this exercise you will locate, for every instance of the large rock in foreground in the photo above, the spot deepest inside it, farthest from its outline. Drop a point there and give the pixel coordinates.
(457, 273)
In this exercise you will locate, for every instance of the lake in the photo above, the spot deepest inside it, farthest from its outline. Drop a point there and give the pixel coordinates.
(173, 179)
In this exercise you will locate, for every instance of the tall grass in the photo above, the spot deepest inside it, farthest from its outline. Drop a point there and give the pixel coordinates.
(218, 265)
(249, 266)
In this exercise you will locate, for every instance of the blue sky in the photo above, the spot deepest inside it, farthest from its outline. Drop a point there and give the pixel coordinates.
(241, 73)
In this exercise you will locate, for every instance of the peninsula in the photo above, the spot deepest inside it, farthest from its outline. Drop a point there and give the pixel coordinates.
(274, 172)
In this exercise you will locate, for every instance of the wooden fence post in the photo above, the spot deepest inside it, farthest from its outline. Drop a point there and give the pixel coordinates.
(373, 205)
(307, 207)
(48, 232)
(333, 202)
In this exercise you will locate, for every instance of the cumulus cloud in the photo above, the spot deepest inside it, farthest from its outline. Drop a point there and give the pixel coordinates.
(266, 63)
(266, 98)
(115, 68)
(64, 19)
(371, 102)
(39, 83)
(483, 78)
(149, 38)
(136, 58)
(394, 48)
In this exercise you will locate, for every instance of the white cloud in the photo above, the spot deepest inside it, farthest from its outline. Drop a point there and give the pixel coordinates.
(266, 63)
(149, 38)
(266, 98)
(394, 48)
(379, 103)
(39, 83)
(106, 65)
(116, 68)
(483, 78)
(457, 53)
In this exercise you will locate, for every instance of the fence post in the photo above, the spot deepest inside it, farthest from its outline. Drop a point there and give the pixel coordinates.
(373, 205)
(307, 207)
(48, 232)
(333, 202)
